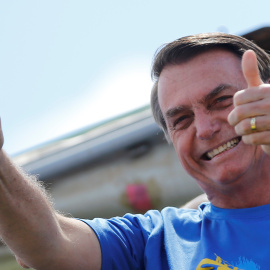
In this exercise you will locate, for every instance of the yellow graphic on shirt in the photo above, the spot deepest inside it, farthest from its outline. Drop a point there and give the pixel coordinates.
(218, 264)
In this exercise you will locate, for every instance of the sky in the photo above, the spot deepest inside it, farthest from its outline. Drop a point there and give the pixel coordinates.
(65, 65)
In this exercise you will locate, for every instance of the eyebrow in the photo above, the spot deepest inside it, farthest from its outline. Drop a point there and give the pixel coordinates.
(176, 110)
(217, 90)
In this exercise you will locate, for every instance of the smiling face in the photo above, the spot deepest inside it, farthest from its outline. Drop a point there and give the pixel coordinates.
(195, 98)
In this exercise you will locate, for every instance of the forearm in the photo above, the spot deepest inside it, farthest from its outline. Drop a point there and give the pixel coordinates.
(28, 223)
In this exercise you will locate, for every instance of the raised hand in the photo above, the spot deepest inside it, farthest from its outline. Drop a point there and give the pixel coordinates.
(251, 115)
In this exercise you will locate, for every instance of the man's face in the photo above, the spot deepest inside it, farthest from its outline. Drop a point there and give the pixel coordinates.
(195, 98)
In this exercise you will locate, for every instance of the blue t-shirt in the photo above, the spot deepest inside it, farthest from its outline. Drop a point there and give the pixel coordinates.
(207, 238)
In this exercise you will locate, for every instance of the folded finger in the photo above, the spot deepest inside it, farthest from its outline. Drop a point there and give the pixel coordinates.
(251, 94)
(257, 138)
(253, 125)
(244, 111)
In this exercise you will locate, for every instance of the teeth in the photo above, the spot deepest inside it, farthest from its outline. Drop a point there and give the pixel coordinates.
(222, 148)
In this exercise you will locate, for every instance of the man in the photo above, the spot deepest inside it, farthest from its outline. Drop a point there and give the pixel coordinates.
(216, 114)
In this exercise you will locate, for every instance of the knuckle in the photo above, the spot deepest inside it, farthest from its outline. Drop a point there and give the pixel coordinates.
(237, 113)
(245, 139)
(238, 97)
(239, 129)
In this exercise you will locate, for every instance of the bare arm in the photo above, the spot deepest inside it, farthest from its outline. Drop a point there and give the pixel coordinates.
(38, 236)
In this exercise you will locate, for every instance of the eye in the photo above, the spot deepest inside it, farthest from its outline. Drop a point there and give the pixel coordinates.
(221, 102)
(182, 122)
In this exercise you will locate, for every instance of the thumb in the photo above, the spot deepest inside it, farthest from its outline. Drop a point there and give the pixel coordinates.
(250, 69)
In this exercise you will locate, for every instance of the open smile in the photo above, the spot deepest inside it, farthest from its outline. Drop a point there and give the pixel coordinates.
(225, 147)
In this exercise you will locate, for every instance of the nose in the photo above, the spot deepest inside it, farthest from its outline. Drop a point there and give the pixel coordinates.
(206, 125)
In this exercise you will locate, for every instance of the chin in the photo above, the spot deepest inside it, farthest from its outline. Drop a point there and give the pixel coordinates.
(230, 177)
(221, 179)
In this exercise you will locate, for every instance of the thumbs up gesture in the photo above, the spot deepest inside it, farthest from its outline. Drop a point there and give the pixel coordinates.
(251, 115)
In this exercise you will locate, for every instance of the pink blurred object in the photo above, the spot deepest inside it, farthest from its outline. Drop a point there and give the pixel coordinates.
(138, 197)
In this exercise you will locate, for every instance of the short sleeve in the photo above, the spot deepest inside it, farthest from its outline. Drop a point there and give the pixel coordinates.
(123, 239)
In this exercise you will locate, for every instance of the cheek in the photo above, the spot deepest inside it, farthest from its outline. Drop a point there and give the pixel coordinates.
(183, 148)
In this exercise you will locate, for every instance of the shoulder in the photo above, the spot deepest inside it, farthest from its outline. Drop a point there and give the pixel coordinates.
(183, 215)
(145, 224)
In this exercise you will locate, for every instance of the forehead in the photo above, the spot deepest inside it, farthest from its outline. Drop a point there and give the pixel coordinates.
(194, 79)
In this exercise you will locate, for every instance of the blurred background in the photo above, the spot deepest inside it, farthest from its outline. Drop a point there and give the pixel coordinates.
(75, 87)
